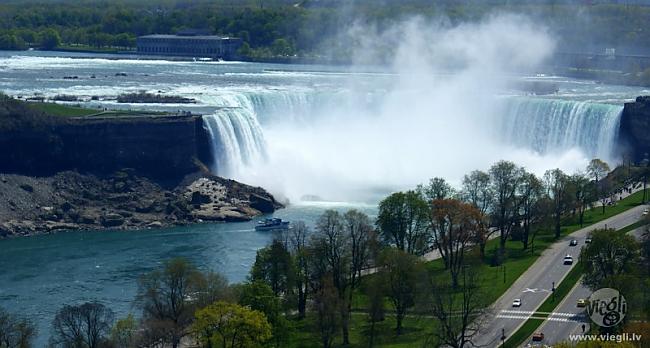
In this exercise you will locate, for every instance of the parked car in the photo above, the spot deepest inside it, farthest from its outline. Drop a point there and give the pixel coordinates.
(582, 302)
(516, 302)
(568, 260)
(538, 336)
(573, 242)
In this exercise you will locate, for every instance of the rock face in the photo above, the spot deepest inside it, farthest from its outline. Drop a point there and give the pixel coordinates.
(158, 147)
(122, 200)
(635, 128)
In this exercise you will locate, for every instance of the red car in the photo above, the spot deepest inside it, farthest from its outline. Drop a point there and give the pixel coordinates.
(538, 336)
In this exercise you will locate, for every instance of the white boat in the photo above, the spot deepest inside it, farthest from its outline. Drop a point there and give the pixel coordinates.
(272, 224)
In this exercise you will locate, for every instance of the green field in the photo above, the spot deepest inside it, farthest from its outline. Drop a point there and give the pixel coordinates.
(54, 109)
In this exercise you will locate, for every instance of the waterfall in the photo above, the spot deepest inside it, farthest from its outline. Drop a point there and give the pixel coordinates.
(542, 126)
(550, 125)
(236, 138)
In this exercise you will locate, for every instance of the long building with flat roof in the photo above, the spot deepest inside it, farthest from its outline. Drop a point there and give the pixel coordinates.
(197, 46)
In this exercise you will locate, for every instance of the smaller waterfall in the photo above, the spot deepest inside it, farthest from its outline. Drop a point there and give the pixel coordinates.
(236, 138)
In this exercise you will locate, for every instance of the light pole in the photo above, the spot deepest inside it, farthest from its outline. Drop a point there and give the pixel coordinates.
(503, 337)
(553, 291)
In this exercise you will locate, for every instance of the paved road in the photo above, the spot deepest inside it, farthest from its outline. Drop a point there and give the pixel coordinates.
(534, 286)
(558, 328)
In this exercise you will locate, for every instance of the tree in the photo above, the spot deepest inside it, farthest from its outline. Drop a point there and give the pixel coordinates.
(438, 188)
(86, 325)
(597, 170)
(360, 236)
(609, 255)
(459, 310)
(374, 290)
(531, 192)
(229, 325)
(259, 296)
(281, 47)
(124, 332)
(505, 178)
(49, 39)
(331, 244)
(583, 193)
(15, 332)
(169, 297)
(476, 190)
(402, 221)
(453, 224)
(299, 251)
(274, 266)
(328, 311)
(400, 272)
(556, 183)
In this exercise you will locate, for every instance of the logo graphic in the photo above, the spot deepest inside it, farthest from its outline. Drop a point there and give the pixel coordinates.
(607, 307)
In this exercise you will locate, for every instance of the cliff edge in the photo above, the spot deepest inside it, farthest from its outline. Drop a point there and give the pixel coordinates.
(635, 128)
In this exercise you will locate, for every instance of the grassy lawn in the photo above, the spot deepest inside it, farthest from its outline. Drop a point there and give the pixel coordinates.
(63, 110)
(416, 333)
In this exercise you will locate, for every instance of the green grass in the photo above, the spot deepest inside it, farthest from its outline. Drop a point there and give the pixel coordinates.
(63, 110)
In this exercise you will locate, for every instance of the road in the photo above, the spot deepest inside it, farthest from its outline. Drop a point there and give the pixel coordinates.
(570, 318)
(534, 286)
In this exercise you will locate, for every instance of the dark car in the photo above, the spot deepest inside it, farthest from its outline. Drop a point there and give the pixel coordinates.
(573, 242)
(538, 336)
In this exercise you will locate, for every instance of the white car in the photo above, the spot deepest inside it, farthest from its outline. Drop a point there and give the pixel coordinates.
(645, 211)
(568, 260)
(516, 302)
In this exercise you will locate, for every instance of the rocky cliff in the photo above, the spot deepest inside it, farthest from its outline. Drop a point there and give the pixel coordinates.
(159, 147)
(635, 128)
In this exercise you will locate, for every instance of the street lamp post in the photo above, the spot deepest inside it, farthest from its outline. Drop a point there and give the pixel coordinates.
(503, 337)
(553, 291)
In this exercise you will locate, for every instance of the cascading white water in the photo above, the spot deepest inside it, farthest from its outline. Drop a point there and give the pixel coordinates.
(548, 125)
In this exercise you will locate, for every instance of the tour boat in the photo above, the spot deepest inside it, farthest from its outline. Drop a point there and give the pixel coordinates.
(272, 224)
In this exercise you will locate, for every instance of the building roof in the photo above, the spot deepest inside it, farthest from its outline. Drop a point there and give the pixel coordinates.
(185, 37)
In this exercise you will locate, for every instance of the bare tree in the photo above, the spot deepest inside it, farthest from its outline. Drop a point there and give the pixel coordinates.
(556, 183)
(583, 194)
(459, 311)
(478, 192)
(84, 326)
(531, 191)
(505, 178)
(298, 248)
(333, 246)
(597, 170)
(453, 224)
(15, 332)
(166, 298)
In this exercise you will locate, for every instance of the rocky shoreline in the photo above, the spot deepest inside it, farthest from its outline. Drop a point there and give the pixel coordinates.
(122, 200)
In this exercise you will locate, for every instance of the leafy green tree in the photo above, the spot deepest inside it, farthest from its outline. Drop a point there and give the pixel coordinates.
(274, 266)
(49, 39)
(403, 222)
(609, 255)
(259, 296)
(281, 47)
(401, 273)
(11, 42)
(229, 325)
(125, 332)
(438, 188)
